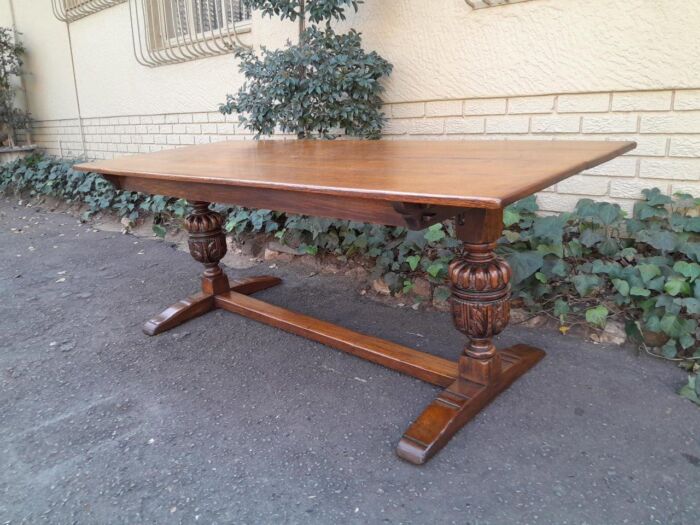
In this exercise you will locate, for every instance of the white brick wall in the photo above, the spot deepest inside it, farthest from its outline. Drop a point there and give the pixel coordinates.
(108, 137)
(665, 124)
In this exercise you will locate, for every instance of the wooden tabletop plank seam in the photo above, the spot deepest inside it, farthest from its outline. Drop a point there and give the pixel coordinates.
(486, 174)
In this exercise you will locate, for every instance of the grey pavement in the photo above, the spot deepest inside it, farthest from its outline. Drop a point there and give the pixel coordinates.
(224, 420)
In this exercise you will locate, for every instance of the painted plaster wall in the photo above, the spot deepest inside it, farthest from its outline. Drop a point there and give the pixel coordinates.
(441, 49)
(47, 70)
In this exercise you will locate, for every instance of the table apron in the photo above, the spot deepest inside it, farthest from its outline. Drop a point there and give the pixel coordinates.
(409, 215)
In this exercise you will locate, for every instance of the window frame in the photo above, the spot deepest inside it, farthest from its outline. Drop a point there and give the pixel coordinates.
(165, 31)
(160, 42)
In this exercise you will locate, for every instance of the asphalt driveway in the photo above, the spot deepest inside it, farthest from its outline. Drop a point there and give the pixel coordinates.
(224, 420)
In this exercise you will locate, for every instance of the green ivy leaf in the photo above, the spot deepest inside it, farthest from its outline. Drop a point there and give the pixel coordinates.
(435, 233)
(585, 283)
(590, 238)
(654, 197)
(550, 228)
(551, 249)
(561, 308)
(435, 269)
(597, 316)
(510, 216)
(609, 213)
(692, 305)
(690, 249)
(686, 269)
(159, 231)
(622, 286)
(648, 271)
(609, 247)
(644, 211)
(511, 236)
(628, 253)
(661, 240)
(574, 248)
(677, 286)
(413, 262)
(557, 268)
(657, 284)
(639, 292)
(524, 264)
(526, 205)
(599, 266)
(653, 324)
(691, 391)
(392, 280)
(442, 293)
(668, 303)
(310, 249)
(686, 341)
(674, 326)
(670, 349)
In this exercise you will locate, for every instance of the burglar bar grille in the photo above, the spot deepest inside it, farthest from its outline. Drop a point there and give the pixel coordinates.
(172, 31)
(70, 10)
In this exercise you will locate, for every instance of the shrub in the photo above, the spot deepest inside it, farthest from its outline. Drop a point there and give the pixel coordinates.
(324, 83)
(12, 119)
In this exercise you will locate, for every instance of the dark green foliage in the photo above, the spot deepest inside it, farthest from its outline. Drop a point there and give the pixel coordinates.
(44, 176)
(597, 264)
(11, 118)
(316, 10)
(324, 84)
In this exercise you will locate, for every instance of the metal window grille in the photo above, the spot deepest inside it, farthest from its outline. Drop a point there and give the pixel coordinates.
(70, 10)
(172, 31)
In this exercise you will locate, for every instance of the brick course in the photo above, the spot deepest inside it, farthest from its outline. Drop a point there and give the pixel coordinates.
(665, 124)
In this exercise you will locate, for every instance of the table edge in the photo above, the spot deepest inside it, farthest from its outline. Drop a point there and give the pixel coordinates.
(391, 196)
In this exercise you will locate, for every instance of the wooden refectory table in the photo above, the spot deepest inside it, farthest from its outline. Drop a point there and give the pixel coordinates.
(403, 183)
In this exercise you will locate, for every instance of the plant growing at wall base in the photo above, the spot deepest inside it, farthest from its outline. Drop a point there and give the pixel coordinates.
(12, 119)
(323, 84)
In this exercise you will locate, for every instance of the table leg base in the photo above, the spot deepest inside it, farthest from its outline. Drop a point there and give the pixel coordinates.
(460, 403)
(201, 303)
(461, 400)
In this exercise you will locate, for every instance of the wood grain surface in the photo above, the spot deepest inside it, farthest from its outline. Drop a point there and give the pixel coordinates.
(476, 174)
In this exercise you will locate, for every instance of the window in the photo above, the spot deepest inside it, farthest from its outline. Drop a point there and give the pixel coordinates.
(194, 19)
(70, 10)
(171, 31)
(478, 4)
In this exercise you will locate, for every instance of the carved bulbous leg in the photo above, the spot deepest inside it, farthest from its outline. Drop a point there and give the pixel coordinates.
(207, 244)
(480, 283)
(480, 308)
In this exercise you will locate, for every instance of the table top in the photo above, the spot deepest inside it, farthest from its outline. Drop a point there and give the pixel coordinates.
(478, 173)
